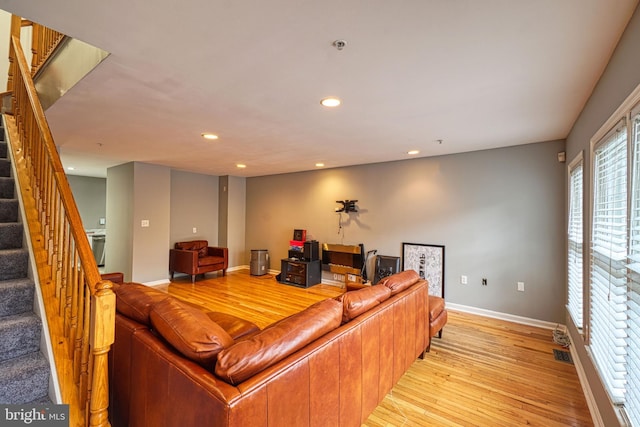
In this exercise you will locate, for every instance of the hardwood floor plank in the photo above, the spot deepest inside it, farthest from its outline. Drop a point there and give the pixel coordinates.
(483, 372)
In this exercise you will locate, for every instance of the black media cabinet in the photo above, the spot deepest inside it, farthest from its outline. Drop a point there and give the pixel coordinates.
(300, 273)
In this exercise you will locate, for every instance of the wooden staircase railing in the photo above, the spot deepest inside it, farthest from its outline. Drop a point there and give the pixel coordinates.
(80, 307)
(44, 42)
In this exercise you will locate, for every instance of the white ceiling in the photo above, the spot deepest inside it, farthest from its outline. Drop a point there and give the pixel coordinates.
(476, 74)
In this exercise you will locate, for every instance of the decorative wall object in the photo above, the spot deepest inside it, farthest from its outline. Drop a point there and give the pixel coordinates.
(347, 206)
(428, 262)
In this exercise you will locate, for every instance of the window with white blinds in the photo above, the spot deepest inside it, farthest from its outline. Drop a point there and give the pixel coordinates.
(608, 266)
(632, 379)
(575, 243)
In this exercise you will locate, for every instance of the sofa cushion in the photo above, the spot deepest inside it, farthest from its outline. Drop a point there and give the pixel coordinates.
(135, 300)
(194, 245)
(277, 341)
(190, 331)
(210, 260)
(235, 326)
(400, 281)
(356, 302)
(436, 306)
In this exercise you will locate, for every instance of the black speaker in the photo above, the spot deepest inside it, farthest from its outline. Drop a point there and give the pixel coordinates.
(311, 250)
(385, 266)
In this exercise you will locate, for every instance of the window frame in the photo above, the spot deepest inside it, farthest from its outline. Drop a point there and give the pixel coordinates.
(625, 404)
(579, 282)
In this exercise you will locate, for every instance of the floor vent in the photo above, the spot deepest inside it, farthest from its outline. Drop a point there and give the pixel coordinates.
(562, 356)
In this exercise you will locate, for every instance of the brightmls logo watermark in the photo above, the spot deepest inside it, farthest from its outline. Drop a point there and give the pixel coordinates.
(34, 415)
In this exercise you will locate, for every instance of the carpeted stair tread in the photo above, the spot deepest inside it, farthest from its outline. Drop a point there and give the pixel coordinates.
(8, 210)
(43, 400)
(19, 335)
(16, 296)
(7, 187)
(13, 264)
(5, 167)
(24, 379)
(10, 235)
(24, 371)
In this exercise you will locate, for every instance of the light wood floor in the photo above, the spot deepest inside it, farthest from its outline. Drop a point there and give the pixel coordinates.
(483, 372)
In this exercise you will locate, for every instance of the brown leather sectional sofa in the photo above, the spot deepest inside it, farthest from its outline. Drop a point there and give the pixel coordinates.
(329, 365)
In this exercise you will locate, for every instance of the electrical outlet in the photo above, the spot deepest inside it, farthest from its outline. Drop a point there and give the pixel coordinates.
(463, 280)
(195, 230)
(484, 282)
(144, 223)
(521, 286)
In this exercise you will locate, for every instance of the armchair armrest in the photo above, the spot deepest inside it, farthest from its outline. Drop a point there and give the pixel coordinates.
(221, 252)
(183, 261)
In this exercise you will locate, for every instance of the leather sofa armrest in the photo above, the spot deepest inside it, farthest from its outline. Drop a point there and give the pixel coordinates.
(113, 277)
(183, 261)
(221, 252)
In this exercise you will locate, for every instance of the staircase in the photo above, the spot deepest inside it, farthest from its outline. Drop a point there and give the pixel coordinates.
(24, 371)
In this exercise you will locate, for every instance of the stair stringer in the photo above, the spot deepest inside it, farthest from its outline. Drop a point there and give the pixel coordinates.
(46, 346)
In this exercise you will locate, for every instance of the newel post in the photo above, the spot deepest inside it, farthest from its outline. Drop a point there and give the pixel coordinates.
(103, 312)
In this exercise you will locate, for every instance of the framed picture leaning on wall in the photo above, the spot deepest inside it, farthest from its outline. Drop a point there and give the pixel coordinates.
(428, 262)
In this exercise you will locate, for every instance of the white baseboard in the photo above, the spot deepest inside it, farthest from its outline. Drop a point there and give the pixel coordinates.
(586, 389)
(505, 316)
(156, 283)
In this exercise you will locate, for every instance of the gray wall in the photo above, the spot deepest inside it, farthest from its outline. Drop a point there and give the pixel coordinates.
(120, 204)
(194, 204)
(232, 219)
(173, 202)
(152, 189)
(499, 214)
(617, 82)
(236, 221)
(90, 195)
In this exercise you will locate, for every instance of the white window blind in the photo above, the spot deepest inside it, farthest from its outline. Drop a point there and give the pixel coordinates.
(575, 244)
(632, 398)
(608, 272)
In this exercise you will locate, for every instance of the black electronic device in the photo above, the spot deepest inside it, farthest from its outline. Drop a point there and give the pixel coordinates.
(385, 266)
(343, 255)
(311, 250)
(300, 273)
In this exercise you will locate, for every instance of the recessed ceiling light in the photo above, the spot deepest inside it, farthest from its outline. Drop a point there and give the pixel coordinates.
(319, 165)
(71, 168)
(413, 152)
(332, 101)
(241, 166)
(209, 136)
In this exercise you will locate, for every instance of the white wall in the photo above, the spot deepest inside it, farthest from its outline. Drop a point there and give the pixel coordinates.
(25, 40)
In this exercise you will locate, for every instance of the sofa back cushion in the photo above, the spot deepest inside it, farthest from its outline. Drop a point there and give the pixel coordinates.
(354, 303)
(400, 281)
(134, 301)
(194, 245)
(190, 331)
(277, 341)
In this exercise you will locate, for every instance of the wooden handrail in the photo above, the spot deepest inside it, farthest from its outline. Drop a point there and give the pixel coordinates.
(44, 42)
(81, 304)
